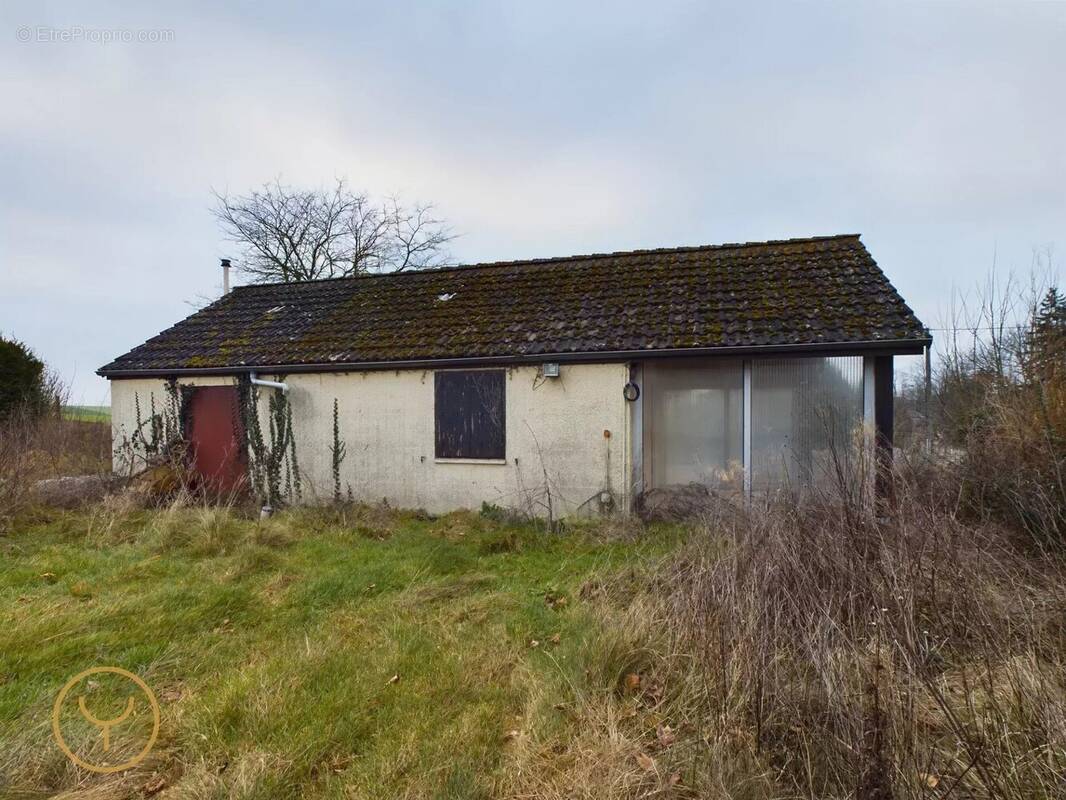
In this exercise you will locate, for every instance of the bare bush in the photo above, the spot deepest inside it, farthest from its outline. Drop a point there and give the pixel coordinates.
(34, 447)
(1001, 392)
(835, 654)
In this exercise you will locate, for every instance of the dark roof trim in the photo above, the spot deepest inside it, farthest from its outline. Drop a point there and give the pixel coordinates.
(888, 347)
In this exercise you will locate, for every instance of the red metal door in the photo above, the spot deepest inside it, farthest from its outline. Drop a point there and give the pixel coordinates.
(214, 436)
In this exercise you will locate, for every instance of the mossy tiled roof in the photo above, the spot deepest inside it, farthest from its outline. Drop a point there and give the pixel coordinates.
(818, 291)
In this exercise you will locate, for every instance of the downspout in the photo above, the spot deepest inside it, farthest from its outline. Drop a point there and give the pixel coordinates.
(267, 511)
(745, 418)
(269, 384)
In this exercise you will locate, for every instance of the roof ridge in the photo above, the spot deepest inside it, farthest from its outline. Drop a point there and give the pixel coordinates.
(701, 248)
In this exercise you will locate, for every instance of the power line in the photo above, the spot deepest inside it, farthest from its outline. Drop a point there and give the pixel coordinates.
(978, 328)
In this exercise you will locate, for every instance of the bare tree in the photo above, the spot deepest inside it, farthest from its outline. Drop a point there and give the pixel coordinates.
(290, 234)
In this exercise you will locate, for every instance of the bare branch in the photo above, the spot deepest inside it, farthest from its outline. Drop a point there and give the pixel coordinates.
(289, 234)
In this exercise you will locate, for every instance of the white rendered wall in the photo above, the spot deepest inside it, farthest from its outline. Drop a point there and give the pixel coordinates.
(554, 426)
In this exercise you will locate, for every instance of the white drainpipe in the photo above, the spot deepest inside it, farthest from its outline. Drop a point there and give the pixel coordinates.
(269, 384)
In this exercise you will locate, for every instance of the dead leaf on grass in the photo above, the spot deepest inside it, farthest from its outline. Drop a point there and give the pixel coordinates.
(646, 762)
(665, 735)
(555, 601)
(154, 786)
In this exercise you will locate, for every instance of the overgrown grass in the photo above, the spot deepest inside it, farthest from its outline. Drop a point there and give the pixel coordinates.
(814, 650)
(36, 447)
(323, 653)
(825, 647)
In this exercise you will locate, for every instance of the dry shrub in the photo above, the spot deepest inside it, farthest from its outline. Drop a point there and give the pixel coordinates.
(1013, 465)
(815, 649)
(1000, 415)
(36, 447)
(910, 656)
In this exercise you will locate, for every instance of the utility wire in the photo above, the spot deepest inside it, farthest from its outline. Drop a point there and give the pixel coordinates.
(978, 328)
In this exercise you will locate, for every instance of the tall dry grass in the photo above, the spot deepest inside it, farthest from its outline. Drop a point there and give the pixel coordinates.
(817, 650)
(35, 446)
(1012, 462)
(913, 655)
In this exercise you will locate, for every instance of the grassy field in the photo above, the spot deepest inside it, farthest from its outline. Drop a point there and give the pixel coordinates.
(353, 654)
(789, 651)
(88, 413)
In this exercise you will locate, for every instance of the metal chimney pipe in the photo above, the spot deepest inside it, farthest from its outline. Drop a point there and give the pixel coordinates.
(225, 275)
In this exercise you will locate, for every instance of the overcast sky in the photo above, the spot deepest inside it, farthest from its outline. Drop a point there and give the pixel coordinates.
(538, 129)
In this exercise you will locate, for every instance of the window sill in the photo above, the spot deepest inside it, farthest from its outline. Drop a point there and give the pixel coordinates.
(489, 461)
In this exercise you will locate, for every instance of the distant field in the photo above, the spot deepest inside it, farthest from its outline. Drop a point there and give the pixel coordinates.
(88, 413)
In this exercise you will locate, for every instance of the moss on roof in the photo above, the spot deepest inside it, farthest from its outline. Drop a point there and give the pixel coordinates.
(817, 291)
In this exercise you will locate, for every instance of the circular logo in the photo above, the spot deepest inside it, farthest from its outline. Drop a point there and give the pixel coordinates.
(105, 725)
(23, 34)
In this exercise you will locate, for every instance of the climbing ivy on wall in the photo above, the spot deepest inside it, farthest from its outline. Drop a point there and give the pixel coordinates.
(162, 434)
(179, 397)
(339, 450)
(250, 432)
(273, 468)
(283, 442)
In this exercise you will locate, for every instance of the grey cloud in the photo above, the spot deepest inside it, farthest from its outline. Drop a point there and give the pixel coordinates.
(538, 129)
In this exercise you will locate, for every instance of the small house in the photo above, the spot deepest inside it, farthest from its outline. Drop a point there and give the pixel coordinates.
(556, 385)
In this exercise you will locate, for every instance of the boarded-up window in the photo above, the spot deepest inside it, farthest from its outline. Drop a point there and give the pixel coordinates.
(469, 410)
